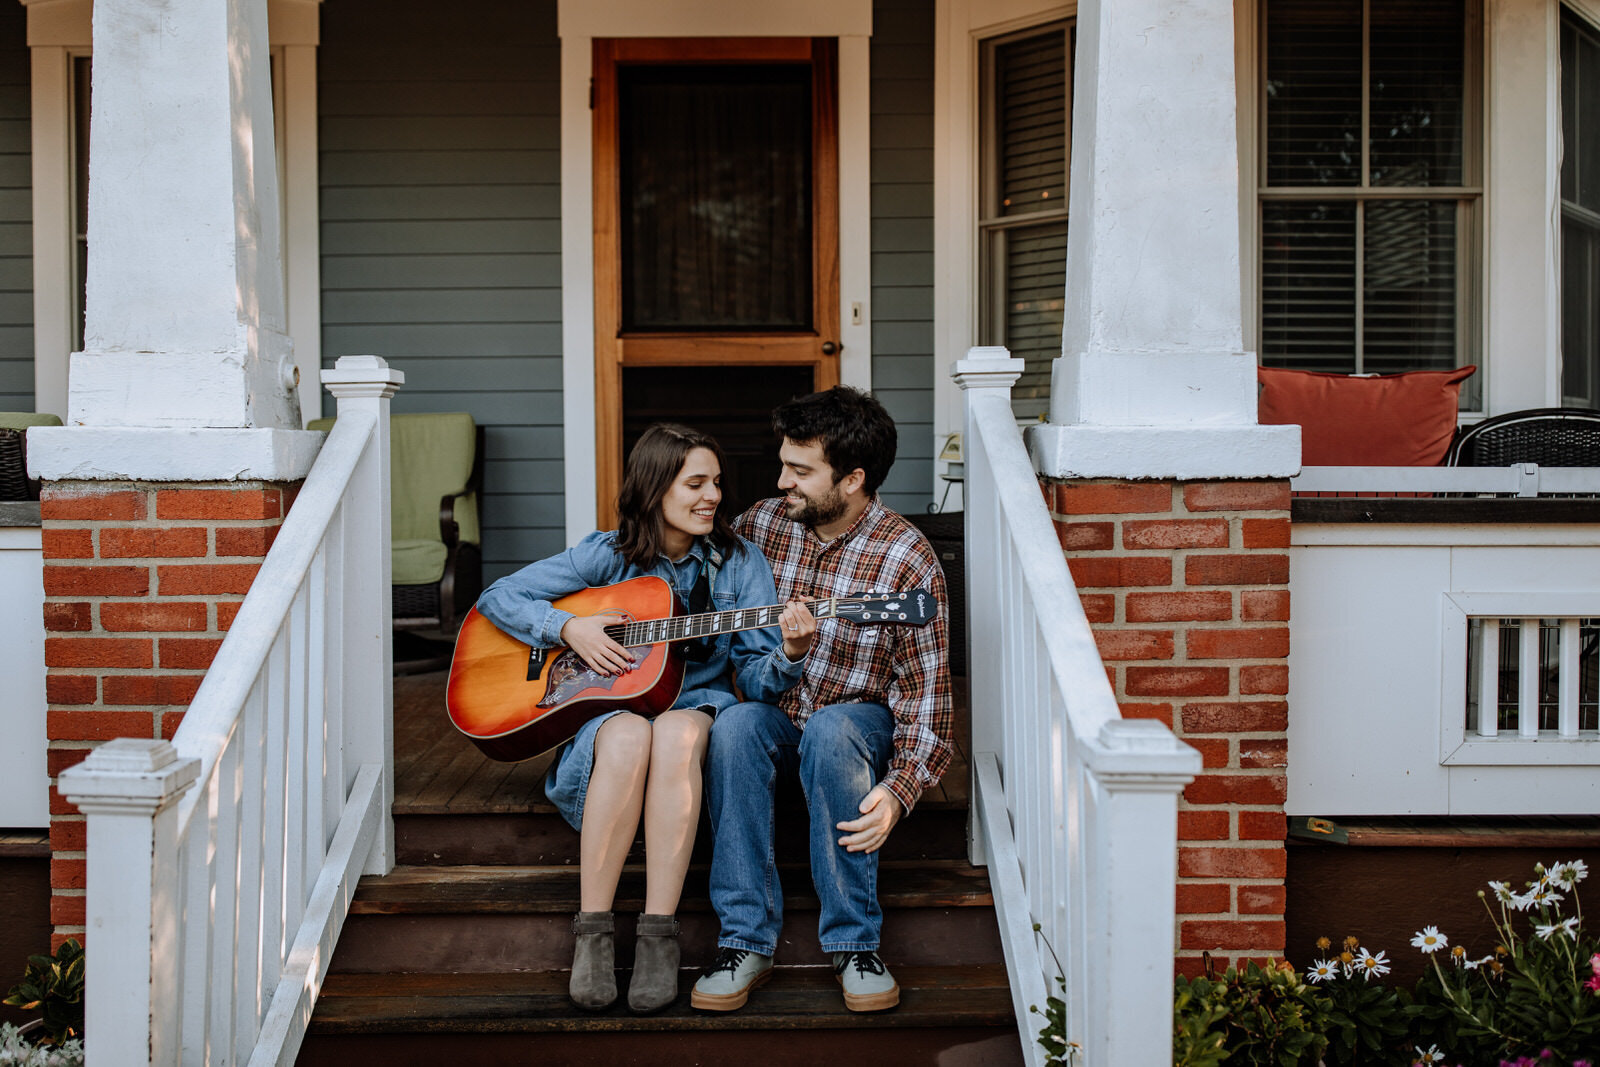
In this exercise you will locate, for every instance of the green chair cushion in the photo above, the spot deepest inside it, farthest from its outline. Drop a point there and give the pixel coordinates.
(417, 562)
(21, 420)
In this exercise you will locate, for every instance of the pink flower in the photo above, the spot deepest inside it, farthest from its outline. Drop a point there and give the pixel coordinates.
(1593, 984)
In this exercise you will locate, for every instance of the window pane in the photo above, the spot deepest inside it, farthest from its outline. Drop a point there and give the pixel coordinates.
(1313, 92)
(1308, 286)
(1418, 86)
(1036, 285)
(1410, 286)
(1031, 120)
(716, 197)
(1580, 339)
(1580, 196)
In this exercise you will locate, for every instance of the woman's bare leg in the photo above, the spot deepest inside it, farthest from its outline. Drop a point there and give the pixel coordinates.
(672, 804)
(611, 807)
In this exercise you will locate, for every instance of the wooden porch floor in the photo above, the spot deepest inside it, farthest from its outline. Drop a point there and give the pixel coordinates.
(439, 772)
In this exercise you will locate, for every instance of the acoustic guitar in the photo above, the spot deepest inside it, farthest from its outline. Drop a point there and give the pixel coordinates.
(515, 701)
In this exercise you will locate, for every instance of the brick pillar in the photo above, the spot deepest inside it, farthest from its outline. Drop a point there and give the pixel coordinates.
(1186, 587)
(141, 582)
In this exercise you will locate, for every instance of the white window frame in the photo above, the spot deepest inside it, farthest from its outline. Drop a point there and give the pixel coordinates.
(1587, 11)
(60, 32)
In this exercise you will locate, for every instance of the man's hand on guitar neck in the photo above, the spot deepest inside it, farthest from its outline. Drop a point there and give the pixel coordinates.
(586, 635)
(799, 627)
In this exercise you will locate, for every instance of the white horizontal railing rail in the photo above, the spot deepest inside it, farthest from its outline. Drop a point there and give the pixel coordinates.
(1518, 479)
(212, 911)
(1076, 807)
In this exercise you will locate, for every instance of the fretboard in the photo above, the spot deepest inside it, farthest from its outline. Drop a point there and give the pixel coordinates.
(687, 627)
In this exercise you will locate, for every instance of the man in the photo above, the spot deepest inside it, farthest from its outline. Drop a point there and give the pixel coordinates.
(867, 728)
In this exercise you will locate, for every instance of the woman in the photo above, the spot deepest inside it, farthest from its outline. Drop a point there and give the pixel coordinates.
(621, 765)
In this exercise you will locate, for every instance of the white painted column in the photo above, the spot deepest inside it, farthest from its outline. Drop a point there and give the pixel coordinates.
(128, 789)
(1153, 380)
(185, 304)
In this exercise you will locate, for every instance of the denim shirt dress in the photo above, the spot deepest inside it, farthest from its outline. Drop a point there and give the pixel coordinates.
(519, 604)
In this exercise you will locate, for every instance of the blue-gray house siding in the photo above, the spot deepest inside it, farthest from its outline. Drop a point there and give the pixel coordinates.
(16, 213)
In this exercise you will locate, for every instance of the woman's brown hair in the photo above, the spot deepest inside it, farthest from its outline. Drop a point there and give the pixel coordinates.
(652, 466)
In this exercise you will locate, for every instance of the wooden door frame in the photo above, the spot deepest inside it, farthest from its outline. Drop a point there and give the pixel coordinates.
(613, 350)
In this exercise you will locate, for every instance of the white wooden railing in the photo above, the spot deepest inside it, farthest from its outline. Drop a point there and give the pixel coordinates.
(1076, 807)
(212, 911)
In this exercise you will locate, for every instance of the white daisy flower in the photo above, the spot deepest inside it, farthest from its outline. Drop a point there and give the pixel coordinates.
(1520, 901)
(1371, 966)
(1322, 971)
(1544, 897)
(1472, 965)
(1502, 892)
(1568, 926)
(1429, 939)
(1570, 873)
(1433, 1055)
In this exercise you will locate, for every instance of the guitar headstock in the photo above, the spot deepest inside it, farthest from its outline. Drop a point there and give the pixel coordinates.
(908, 607)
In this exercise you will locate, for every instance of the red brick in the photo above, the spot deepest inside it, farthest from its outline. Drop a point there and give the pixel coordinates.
(1236, 789)
(57, 505)
(226, 610)
(1213, 750)
(245, 540)
(1086, 536)
(1236, 717)
(170, 721)
(1261, 899)
(1265, 533)
(1262, 935)
(1177, 681)
(68, 615)
(1263, 826)
(188, 653)
(1257, 569)
(57, 760)
(1236, 496)
(1097, 607)
(205, 579)
(151, 690)
(1204, 898)
(1101, 572)
(96, 581)
(97, 652)
(1180, 607)
(147, 543)
(68, 836)
(1209, 861)
(1196, 966)
(168, 615)
(61, 935)
(68, 873)
(1134, 644)
(1208, 825)
(1263, 752)
(67, 911)
(1264, 605)
(70, 688)
(1175, 533)
(67, 544)
(97, 725)
(1114, 498)
(1255, 643)
(1264, 680)
(1159, 712)
(58, 804)
(220, 504)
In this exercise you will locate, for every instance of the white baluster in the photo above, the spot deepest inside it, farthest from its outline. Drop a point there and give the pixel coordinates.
(1567, 679)
(1528, 672)
(1489, 678)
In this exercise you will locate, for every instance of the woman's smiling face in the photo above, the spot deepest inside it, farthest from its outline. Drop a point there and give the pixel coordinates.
(690, 504)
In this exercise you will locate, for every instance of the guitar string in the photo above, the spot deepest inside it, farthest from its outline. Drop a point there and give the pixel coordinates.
(656, 631)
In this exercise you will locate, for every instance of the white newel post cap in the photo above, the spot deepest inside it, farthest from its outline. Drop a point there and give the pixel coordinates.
(987, 367)
(129, 776)
(362, 377)
(1142, 756)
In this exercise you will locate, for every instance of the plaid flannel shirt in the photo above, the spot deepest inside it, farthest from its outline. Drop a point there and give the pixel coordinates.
(905, 668)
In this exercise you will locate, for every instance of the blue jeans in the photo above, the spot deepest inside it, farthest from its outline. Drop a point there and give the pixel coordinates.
(840, 755)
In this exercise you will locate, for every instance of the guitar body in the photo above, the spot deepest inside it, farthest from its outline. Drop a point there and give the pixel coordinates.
(511, 717)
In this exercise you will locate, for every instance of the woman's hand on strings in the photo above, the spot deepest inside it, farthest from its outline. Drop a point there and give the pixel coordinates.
(586, 635)
(799, 627)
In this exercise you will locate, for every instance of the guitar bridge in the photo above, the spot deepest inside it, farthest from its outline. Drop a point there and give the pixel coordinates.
(536, 658)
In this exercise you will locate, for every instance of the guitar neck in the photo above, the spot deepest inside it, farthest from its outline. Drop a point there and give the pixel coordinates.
(685, 627)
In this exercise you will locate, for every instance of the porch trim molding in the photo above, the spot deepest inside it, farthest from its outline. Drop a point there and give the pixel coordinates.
(578, 23)
(1186, 453)
(166, 454)
(60, 31)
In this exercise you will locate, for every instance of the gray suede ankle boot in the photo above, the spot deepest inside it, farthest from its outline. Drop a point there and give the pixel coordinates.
(594, 965)
(655, 964)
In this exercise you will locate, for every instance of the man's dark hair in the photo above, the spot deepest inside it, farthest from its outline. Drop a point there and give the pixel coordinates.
(853, 429)
(652, 467)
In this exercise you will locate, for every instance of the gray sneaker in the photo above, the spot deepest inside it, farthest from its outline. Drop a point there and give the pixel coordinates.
(868, 985)
(727, 982)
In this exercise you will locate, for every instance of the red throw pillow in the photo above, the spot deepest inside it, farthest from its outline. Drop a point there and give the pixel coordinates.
(1390, 420)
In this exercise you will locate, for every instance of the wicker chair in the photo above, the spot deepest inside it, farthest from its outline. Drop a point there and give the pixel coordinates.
(1550, 437)
(14, 481)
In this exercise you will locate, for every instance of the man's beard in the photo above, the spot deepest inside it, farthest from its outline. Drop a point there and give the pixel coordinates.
(816, 511)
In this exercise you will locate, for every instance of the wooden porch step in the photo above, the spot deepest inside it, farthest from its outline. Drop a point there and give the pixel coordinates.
(24, 844)
(1524, 831)
(486, 890)
(536, 1002)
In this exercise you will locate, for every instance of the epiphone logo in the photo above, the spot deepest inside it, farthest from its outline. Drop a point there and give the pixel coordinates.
(922, 604)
